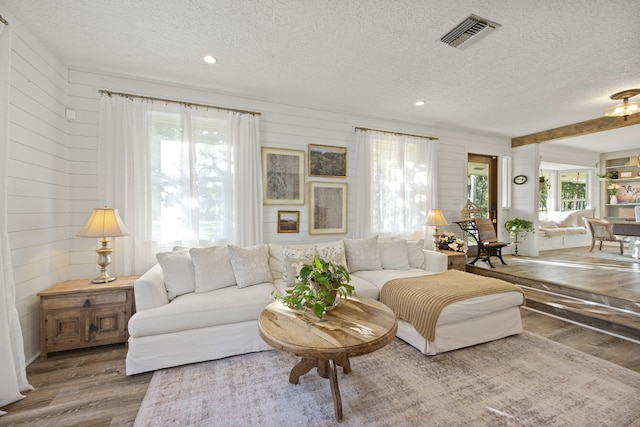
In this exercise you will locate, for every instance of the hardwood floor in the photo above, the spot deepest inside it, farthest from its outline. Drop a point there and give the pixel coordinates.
(89, 387)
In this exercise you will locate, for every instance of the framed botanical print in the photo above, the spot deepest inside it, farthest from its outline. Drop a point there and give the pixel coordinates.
(327, 207)
(327, 161)
(282, 176)
(288, 221)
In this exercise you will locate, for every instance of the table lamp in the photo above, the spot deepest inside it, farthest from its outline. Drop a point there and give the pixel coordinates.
(104, 223)
(436, 219)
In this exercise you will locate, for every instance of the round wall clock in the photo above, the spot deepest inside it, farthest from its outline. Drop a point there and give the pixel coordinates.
(520, 179)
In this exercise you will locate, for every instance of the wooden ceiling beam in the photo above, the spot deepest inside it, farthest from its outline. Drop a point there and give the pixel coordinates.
(600, 124)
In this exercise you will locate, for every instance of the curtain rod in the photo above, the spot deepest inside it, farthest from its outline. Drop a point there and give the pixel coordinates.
(173, 101)
(4, 21)
(397, 133)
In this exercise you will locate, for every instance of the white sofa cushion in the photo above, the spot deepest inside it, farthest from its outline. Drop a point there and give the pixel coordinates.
(212, 268)
(415, 252)
(276, 260)
(394, 254)
(178, 272)
(193, 311)
(293, 266)
(379, 278)
(332, 251)
(297, 253)
(362, 254)
(250, 265)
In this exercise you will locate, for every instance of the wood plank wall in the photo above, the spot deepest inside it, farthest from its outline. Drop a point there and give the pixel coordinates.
(38, 170)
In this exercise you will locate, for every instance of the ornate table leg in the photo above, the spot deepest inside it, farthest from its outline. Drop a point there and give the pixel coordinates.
(335, 391)
(304, 366)
(326, 369)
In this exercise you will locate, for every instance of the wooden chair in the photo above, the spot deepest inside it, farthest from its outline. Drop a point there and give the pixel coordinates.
(601, 231)
(482, 231)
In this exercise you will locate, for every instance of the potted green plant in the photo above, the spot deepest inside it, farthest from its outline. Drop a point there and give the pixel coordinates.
(518, 226)
(320, 286)
(543, 186)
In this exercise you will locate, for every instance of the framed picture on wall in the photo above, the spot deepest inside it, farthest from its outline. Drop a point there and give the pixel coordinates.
(282, 176)
(288, 221)
(327, 207)
(327, 161)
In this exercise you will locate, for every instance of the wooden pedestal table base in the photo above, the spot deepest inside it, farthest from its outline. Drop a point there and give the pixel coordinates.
(355, 327)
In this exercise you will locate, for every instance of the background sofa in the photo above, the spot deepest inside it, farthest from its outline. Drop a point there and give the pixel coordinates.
(566, 229)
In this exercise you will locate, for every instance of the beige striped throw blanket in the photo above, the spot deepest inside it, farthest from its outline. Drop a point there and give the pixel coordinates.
(420, 300)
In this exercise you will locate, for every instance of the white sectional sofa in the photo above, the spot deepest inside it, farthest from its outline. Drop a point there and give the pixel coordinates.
(203, 303)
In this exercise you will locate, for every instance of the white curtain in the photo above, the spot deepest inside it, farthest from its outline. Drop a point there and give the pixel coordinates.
(132, 134)
(246, 177)
(362, 225)
(396, 183)
(124, 175)
(13, 376)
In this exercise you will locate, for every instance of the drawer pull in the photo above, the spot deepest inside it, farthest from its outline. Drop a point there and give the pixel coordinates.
(87, 304)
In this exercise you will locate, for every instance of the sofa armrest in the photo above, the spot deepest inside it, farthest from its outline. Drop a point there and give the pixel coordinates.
(149, 289)
(435, 261)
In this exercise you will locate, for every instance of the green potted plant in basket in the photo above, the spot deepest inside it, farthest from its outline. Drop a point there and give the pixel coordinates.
(518, 226)
(320, 285)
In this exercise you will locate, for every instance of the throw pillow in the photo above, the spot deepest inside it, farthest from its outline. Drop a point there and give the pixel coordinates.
(394, 254)
(415, 254)
(178, 272)
(212, 268)
(250, 265)
(332, 251)
(362, 254)
(293, 267)
(276, 260)
(297, 252)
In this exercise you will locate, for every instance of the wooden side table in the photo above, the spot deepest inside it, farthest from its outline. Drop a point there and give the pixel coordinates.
(456, 260)
(77, 313)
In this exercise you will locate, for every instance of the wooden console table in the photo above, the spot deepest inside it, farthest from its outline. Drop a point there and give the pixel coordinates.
(355, 327)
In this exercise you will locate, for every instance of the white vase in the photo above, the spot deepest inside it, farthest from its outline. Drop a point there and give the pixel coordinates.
(613, 200)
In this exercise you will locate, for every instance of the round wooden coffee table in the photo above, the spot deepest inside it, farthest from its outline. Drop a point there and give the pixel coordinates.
(355, 327)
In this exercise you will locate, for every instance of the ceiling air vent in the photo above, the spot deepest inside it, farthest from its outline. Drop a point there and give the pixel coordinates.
(469, 32)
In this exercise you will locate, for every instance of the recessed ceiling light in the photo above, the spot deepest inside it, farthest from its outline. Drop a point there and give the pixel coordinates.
(209, 59)
(420, 103)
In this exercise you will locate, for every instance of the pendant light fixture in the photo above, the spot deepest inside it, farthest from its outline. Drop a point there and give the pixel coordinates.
(626, 108)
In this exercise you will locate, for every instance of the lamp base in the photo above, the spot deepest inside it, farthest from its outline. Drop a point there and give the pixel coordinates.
(436, 240)
(103, 279)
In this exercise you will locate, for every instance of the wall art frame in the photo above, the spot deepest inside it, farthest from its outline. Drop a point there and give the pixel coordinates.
(327, 161)
(283, 175)
(288, 221)
(328, 207)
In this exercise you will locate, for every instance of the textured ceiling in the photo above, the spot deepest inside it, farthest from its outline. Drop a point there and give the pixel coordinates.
(551, 63)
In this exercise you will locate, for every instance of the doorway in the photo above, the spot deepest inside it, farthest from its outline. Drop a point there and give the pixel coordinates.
(482, 184)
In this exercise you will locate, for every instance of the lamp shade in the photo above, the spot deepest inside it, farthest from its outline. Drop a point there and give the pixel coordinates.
(436, 218)
(104, 222)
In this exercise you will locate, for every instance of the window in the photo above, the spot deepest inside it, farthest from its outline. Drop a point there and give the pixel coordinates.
(171, 170)
(564, 190)
(398, 178)
(573, 191)
(189, 169)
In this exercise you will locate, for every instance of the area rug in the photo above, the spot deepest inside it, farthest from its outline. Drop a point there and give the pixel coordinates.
(524, 380)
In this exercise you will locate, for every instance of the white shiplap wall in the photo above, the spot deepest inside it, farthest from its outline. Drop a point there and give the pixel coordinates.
(53, 162)
(38, 171)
